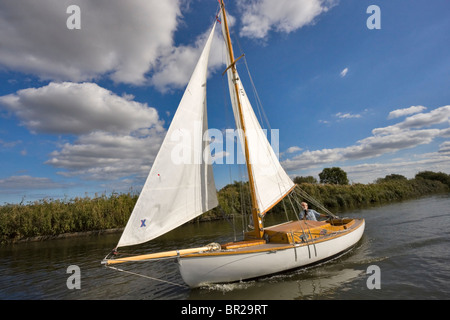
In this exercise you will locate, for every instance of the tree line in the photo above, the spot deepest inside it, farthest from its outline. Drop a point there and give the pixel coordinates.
(52, 217)
(336, 175)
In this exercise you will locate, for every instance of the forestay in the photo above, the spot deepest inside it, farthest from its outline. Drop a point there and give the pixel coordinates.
(180, 185)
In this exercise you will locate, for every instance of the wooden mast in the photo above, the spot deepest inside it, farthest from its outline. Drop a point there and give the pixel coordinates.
(257, 222)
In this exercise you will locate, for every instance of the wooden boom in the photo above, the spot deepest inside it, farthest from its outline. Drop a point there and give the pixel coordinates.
(159, 255)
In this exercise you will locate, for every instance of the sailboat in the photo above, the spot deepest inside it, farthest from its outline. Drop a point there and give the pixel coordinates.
(180, 188)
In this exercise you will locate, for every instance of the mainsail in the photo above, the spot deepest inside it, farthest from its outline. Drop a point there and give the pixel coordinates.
(271, 183)
(180, 185)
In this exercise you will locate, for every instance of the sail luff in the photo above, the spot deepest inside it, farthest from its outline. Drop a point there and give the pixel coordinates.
(180, 185)
(257, 222)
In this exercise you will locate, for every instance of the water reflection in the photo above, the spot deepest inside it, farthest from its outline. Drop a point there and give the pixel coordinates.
(305, 284)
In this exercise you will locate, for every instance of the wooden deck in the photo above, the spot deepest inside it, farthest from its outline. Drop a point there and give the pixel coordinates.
(284, 236)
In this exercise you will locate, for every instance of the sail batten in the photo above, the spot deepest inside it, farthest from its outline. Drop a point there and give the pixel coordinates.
(180, 185)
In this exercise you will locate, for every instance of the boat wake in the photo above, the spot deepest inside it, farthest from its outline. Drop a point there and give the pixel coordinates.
(228, 287)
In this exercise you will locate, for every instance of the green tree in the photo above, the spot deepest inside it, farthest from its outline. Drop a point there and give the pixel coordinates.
(308, 179)
(333, 175)
(391, 177)
(430, 175)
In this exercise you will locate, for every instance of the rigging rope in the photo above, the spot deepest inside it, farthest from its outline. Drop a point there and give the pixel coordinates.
(148, 277)
(310, 199)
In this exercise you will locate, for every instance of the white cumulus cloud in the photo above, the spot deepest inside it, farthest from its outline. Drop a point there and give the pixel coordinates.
(347, 115)
(177, 64)
(261, 16)
(405, 112)
(407, 134)
(116, 137)
(78, 108)
(107, 156)
(436, 116)
(293, 149)
(120, 39)
(17, 182)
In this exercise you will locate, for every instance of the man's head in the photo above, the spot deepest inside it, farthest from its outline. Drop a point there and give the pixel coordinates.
(304, 205)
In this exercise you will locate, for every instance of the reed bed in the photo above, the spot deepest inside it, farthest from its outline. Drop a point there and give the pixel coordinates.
(48, 218)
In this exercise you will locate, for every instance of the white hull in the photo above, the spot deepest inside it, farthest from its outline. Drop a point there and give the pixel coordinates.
(205, 269)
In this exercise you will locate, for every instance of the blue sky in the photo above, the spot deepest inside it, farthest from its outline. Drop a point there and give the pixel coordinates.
(83, 111)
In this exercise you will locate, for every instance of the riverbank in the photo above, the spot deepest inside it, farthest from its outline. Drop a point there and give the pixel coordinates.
(49, 219)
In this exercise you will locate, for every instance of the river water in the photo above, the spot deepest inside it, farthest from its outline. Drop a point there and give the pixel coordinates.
(404, 251)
